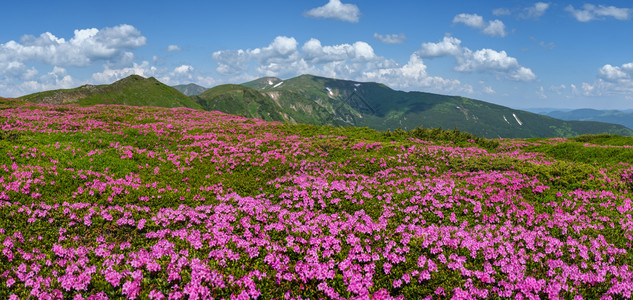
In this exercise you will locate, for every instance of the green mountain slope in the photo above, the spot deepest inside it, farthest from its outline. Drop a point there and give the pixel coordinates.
(325, 101)
(377, 106)
(271, 106)
(133, 90)
(191, 89)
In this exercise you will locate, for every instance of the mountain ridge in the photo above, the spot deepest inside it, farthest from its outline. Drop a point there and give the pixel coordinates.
(327, 101)
(190, 89)
(375, 105)
(622, 117)
(132, 90)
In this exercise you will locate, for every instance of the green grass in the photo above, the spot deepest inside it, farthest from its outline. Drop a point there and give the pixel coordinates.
(133, 91)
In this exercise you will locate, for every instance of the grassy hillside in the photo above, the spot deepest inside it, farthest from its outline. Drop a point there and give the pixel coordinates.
(239, 100)
(375, 105)
(324, 101)
(273, 105)
(119, 202)
(133, 90)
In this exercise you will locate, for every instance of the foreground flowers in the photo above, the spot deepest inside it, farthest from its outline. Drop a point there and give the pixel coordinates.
(108, 202)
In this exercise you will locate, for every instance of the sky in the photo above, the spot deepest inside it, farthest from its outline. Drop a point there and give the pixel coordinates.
(521, 54)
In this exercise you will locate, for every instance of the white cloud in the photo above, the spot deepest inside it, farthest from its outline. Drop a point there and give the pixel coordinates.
(448, 46)
(492, 28)
(413, 74)
(391, 38)
(183, 69)
(536, 11)
(591, 12)
(501, 12)
(83, 49)
(334, 9)
(609, 72)
(495, 28)
(483, 60)
(231, 61)
(353, 61)
(55, 79)
(16, 70)
(471, 20)
(280, 49)
(171, 48)
(110, 75)
(314, 52)
(491, 61)
(612, 80)
(358, 61)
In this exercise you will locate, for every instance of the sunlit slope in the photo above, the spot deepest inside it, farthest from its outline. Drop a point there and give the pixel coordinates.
(377, 106)
(133, 90)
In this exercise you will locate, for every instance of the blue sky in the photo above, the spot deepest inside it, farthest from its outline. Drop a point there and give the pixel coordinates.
(522, 54)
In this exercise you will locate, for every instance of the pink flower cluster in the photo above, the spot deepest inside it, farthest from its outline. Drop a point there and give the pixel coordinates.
(219, 206)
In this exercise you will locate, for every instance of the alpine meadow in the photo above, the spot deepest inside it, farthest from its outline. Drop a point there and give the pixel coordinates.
(316, 149)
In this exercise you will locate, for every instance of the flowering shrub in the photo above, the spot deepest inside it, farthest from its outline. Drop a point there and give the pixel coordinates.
(110, 202)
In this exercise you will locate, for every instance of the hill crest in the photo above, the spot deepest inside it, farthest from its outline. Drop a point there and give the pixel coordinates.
(133, 90)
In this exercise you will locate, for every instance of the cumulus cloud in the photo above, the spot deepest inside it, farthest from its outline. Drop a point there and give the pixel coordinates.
(314, 52)
(535, 11)
(183, 69)
(448, 46)
(334, 9)
(412, 75)
(109, 75)
(282, 48)
(231, 61)
(492, 28)
(612, 80)
(483, 60)
(488, 60)
(495, 28)
(621, 76)
(591, 12)
(472, 20)
(353, 61)
(87, 46)
(611, 73)
(357, 61)
(16, 70)
(56, 79)
(501, 12)
(390, 38)
(171, 48)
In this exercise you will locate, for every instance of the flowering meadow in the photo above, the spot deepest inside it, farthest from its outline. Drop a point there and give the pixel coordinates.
(112, 202)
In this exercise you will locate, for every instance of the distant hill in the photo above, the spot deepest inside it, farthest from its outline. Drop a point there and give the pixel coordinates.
(325, 101)
(374, 105)
(612, 116)
(133, 90)
(271, 106)
(191, 89)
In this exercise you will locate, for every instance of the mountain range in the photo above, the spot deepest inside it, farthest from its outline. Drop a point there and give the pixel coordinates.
(622, 117)
(326, 101)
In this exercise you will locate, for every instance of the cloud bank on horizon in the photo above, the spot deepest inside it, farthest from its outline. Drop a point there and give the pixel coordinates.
(474, 52)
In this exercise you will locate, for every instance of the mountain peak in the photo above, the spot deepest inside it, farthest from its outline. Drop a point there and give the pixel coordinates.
(133, 90)
(190, 89)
